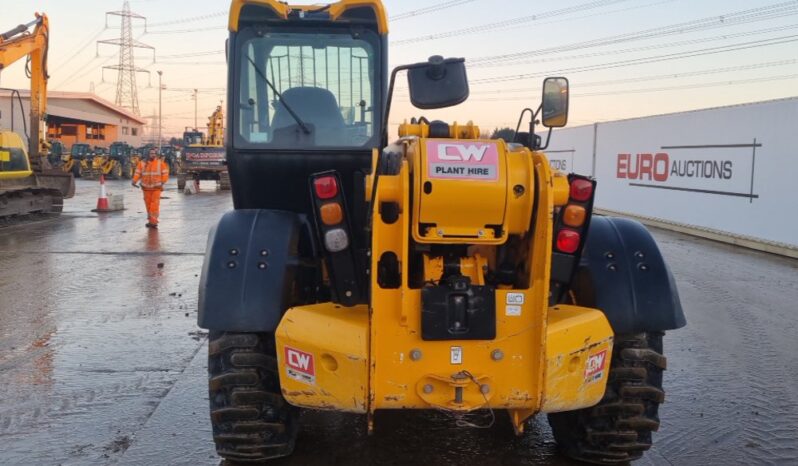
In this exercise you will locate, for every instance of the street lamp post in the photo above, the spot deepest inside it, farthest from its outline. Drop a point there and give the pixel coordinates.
(160, 115)
(196, 98)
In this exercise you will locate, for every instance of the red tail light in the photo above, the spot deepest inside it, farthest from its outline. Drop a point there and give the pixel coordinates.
(326, 187)
(581, 190)
(568, 241)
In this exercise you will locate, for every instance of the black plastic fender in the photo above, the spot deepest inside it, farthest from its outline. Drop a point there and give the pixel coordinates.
(250, 264)
(623, 273)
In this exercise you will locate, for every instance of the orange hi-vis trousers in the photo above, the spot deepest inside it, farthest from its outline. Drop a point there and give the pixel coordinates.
(152, 199)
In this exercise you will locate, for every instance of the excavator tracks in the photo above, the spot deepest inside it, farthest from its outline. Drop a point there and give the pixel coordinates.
(24, 202)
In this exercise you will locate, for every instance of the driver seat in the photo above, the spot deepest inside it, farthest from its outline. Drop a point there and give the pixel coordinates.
(314, 106)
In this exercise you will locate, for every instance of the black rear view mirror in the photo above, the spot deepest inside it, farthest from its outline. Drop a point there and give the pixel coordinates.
(555, 102)
(438, 83)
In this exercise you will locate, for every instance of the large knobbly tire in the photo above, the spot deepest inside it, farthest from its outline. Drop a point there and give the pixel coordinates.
(251, 420)
(618, 429)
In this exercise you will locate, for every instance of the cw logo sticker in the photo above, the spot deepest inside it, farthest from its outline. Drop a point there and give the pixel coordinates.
(300, 365)
(462, 152)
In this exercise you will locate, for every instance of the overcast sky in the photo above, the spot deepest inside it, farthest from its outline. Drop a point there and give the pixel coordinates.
(694, 53)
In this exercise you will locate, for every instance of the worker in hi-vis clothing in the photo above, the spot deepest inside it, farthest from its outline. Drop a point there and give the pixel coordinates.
(153, 173)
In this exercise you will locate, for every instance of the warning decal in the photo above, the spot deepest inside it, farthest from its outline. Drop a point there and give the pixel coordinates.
(594, 369)
(300, 366)
(463, 160)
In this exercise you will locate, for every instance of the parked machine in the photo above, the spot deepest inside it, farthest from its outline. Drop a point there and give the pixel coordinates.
(27, 185)
(79, 162)
(56, 151)
(113, 163)
(169, 155)
(204, 158)
(441, 271)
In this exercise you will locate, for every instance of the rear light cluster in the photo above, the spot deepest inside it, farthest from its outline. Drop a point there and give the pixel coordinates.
(330, 212)
(334, 232)
(571, 225)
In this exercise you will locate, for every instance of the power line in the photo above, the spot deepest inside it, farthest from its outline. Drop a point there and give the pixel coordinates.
(80, 49)
(86, 69)
(185, 31)
(644, 48)
(510, 22)
(429, 9)
(689, 74)
(735, 18)
(192, 54)
(576, 95)
(646, 60)
(693, 86)
(190, 63)
(191, 19)
(408, 14)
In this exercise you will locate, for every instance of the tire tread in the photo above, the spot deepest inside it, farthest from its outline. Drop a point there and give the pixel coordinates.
(251, 420)
(618, 429)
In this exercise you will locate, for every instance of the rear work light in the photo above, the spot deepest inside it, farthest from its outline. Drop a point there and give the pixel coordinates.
(581, 190)
(568, 241)
(336, 240)
(331, 213)
(326, 187)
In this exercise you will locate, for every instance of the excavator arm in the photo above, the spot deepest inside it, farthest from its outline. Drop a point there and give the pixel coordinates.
(16, 44)
(216, 128)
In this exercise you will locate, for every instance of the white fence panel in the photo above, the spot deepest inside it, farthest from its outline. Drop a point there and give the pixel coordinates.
(571, 150)
(730, 169)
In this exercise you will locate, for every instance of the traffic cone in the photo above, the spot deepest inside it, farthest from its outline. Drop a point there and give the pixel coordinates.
(106, 202)
(102, 201)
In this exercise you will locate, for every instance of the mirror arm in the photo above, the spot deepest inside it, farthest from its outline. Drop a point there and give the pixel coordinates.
(388, 101)
(531, 125)
(548, 138)
(521, 118)
(378, 166)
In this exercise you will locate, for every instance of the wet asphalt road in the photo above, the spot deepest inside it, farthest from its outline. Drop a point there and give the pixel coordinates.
(101, 361)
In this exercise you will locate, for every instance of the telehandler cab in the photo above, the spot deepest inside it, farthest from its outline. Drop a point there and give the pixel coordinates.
(440, 271)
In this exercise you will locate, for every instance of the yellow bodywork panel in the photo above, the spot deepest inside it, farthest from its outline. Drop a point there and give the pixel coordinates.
(362, 359)
(322, 353)
(470, 191)
(456, 131)
(578, 353)
(334, 10)
(408, 372)
(14, 162)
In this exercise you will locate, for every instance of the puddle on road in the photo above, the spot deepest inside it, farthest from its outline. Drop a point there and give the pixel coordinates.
(91, 343)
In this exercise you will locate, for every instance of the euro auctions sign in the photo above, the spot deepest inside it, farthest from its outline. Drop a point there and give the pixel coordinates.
(726, 170)
(718, 169)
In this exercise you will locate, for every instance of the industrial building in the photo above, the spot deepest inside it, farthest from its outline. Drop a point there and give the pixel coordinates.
(75, 117)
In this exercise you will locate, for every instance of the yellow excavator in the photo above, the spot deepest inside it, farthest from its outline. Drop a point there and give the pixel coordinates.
(28, 184)
(204, 158)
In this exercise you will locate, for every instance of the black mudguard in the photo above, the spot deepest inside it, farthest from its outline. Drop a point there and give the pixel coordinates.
(623, 273)
(251, 261)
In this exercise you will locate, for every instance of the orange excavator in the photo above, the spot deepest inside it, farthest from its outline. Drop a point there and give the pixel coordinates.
(28, 184)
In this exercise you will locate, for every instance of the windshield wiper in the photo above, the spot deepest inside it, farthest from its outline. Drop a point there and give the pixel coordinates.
(299, 121)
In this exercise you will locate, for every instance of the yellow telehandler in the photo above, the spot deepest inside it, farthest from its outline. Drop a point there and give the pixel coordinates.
(439, 271)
